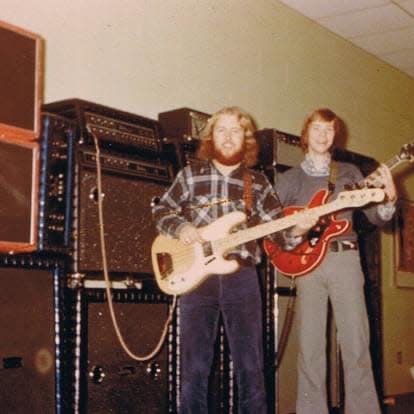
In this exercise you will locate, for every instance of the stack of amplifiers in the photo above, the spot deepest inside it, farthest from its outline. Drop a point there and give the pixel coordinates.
(34, 374)
(116, 130)
(133, 174)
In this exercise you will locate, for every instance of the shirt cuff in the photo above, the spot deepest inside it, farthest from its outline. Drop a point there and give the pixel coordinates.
(291, 241)
(386, 210)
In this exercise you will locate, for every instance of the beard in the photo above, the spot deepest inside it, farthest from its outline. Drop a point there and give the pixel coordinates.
(228, 160)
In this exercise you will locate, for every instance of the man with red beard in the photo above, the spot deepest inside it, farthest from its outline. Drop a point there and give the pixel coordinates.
(220, 183)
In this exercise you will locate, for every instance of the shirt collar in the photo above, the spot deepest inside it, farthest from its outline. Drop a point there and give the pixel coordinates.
(309, 167)
(237, 171)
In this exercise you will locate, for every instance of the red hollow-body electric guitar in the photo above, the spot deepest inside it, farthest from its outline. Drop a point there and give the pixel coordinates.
(309, 254)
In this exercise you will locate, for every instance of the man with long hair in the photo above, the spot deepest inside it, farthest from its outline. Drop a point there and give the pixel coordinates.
(338, 278)
(220, 183)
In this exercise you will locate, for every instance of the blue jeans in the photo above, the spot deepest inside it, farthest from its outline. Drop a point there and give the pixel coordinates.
(237, 297)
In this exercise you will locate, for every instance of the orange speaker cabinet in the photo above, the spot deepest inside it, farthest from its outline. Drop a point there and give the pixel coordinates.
(21, 82)
(19, 182)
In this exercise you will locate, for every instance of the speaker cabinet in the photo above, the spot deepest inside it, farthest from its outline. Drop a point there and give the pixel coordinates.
(19, 185)
(31, 372)
(21, 57)
(111, 381)
(129, 187)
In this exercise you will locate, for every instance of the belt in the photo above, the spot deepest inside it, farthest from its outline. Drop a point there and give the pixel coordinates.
(339, 246)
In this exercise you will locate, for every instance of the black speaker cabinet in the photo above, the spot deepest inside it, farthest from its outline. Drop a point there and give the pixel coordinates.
(31, 370)
(129, 187)
(111, 381)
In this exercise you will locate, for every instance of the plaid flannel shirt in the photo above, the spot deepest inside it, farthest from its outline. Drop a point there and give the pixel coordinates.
(200, 194)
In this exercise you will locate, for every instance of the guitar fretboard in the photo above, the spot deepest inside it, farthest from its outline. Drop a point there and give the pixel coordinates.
(354, 198)
(370, 179)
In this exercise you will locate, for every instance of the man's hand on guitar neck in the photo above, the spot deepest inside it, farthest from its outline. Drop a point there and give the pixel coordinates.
(384, 177)
(305, 222)
(189, 235)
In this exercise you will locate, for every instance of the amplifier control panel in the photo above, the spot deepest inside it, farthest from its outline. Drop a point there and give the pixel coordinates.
(57, 139)
(154, 170)
(116, 131)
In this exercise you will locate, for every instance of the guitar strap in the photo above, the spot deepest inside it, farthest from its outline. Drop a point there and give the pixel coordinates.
(290, 311)
(247, 193)
(333, 174)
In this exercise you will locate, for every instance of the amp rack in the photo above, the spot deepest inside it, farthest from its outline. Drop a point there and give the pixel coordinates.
(112, 130)
(116, 130)
(154, 170)
(57, 149)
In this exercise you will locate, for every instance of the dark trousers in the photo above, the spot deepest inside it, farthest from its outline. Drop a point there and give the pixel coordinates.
(237, 297)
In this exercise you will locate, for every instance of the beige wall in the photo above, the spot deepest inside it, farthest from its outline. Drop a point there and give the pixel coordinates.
(149, 56)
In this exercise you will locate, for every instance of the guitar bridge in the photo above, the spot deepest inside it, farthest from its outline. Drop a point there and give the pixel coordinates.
(207, 249)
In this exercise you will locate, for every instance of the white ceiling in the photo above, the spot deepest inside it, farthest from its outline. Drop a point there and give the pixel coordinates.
(384, 28)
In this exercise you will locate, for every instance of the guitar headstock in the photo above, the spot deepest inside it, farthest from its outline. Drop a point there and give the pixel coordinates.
(358, 198)
(374, 180)
(407, 152)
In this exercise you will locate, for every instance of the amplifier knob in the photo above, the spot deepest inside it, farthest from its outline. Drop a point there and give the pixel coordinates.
(153, 369)
(93, 195)
(97, 374)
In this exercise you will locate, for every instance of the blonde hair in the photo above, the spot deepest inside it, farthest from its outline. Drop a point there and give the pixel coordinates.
(206, 149)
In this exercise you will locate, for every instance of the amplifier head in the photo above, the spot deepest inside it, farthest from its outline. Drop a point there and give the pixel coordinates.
(183, 123)
(278, 148)
(116, 130)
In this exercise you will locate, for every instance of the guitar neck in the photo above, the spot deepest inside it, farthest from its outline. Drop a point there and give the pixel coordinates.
(391, 164)
(264, 229)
